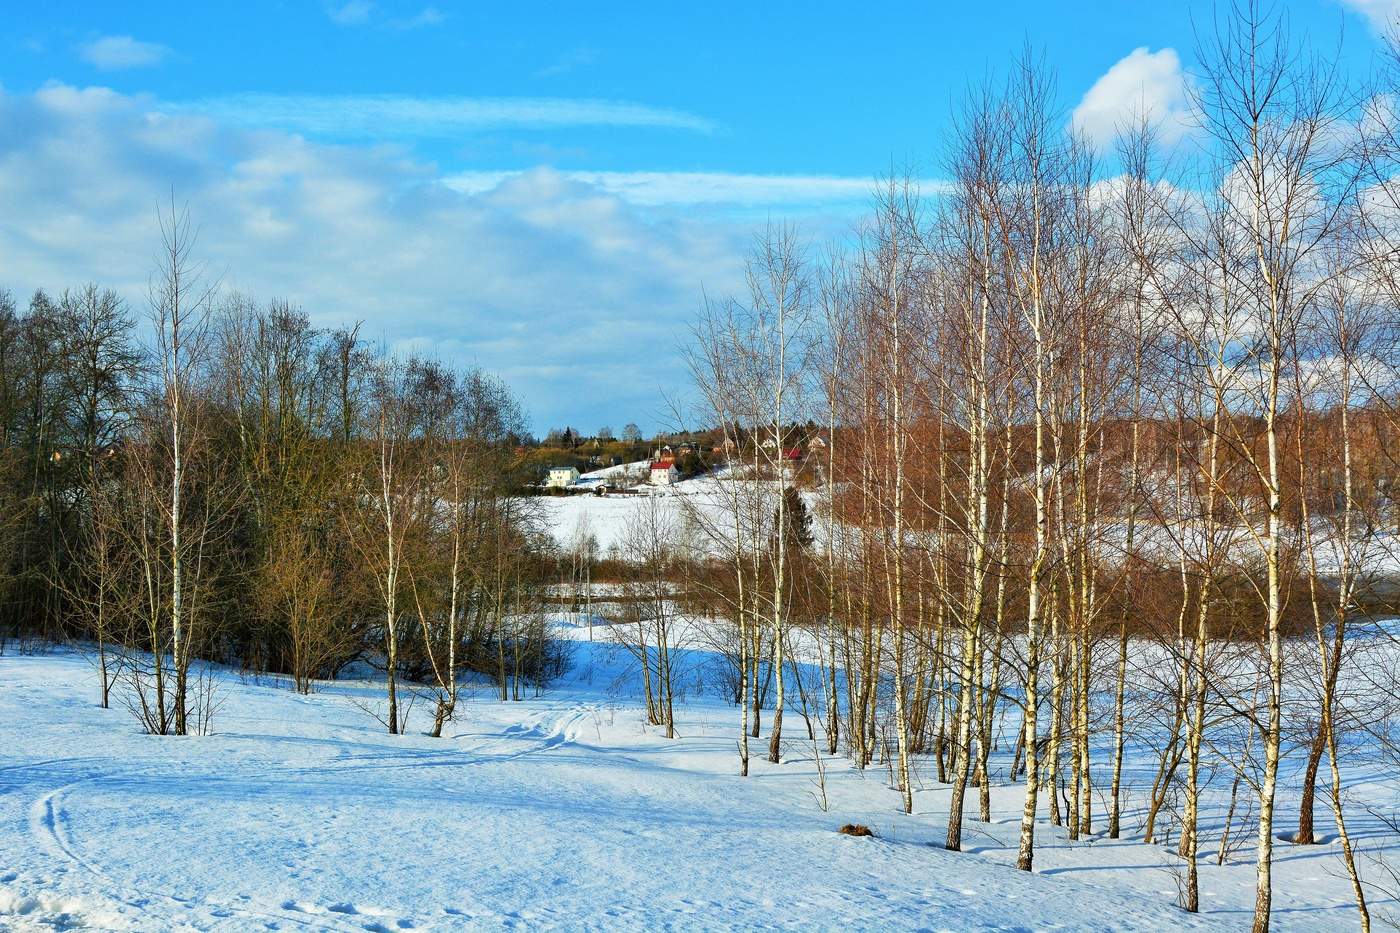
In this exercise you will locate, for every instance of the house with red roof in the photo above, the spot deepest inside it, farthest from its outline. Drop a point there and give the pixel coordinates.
(664, 472)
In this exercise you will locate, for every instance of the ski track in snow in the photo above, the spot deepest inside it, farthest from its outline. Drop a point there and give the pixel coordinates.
(49, 831)
(48, 828)
(559, 812)
(128, 903)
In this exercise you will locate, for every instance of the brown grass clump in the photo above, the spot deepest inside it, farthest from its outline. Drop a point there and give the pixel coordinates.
(855, 829)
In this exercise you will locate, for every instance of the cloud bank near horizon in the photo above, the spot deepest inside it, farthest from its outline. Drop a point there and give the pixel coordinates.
(577, 288)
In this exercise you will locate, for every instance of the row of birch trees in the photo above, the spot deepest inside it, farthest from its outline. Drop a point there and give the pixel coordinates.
(1108, 461)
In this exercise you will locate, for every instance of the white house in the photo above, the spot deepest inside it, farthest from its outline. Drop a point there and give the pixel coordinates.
(664, 473)
(559, 477)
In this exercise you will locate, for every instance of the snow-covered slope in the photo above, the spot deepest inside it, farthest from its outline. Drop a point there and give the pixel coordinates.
(607, 517)
(635, 472)
(564, 811)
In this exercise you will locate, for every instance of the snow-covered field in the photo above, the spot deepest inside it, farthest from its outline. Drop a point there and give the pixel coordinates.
(563, 811)
(634, 473)
(606, 517)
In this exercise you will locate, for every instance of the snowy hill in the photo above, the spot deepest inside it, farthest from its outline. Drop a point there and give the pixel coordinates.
(564, 811)
(606, 517)
(635, 472)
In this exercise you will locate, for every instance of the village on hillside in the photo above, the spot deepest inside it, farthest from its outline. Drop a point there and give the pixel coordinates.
(606, 470)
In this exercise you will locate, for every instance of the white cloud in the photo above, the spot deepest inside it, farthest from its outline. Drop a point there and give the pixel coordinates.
(428, 16)
(574, 295)
(1141, 84)
(653, 189)
(362, 12)
(1384, 15)
(351, 13)
(394, 116)
(111, 53)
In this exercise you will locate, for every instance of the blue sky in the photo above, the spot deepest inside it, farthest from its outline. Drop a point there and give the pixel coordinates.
(540, 188)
